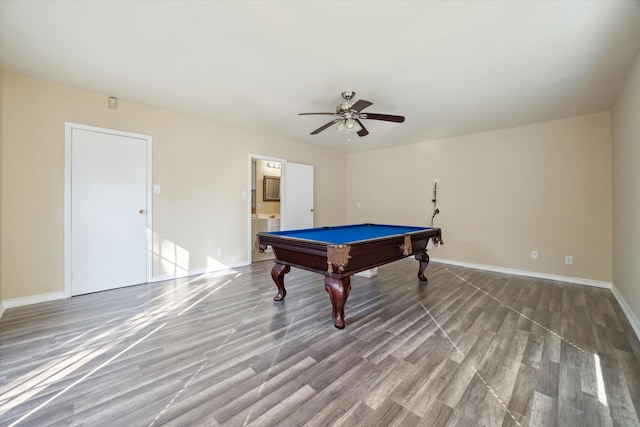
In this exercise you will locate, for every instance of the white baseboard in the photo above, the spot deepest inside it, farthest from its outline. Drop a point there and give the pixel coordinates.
(567, 279)
(35, 299)
(635, 324)
(195, 272)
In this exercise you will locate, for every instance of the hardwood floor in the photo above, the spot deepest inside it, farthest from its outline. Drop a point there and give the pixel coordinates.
(471, 348)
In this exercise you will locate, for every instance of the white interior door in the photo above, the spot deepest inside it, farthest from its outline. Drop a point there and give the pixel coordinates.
(108, 211)
(298, 196)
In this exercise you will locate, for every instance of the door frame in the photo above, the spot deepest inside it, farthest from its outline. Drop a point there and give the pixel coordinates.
(282, 195)
(68, 130)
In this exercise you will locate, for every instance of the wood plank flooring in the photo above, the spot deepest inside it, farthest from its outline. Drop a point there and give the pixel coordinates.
(470, 348)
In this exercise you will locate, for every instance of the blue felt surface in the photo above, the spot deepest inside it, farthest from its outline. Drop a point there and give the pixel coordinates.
(348, 233)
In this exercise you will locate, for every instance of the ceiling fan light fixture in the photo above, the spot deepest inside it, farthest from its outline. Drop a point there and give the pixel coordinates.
(349, 125)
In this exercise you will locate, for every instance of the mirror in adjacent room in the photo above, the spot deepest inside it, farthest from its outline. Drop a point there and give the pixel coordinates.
(271, 188)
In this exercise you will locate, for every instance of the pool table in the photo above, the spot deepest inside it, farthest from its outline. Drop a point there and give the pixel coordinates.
(341, 251)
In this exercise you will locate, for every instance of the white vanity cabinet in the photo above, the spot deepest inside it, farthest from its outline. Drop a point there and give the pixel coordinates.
(266, 224)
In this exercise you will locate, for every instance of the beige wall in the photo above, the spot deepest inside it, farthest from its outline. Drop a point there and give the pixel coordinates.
(502, 194)
(1, 184)
(544, 187)
(626, 191)
(202, 168)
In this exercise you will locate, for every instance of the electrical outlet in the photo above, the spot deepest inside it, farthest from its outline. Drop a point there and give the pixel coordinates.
(534, 254)
(568, 260)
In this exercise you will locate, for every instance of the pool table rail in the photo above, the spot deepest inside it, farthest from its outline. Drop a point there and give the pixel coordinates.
(363, 255)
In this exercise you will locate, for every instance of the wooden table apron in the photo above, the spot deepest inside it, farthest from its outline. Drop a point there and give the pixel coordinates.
(363, 255)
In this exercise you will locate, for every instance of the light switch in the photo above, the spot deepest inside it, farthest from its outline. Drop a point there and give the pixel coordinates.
(156, 189)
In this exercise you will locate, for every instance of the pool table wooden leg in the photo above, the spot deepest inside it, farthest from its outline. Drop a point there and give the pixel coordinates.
(424, 261)
(277, 273)
(338, 290)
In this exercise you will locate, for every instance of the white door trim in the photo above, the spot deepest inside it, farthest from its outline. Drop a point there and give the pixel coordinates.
(68, 127)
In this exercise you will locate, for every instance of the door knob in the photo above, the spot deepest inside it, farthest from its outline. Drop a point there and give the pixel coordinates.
(142, 212)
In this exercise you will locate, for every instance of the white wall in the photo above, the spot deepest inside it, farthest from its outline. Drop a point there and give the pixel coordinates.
(626, 194)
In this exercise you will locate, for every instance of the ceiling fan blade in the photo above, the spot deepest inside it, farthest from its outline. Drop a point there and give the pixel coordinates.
(310, 114)
(363, 131)
(360, 105)
(321, 128)
(383, 117)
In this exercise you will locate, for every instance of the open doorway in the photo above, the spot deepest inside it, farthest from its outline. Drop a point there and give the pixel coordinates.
(281, 199)
(265, 210)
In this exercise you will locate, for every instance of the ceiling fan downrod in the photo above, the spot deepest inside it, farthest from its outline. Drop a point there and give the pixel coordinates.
(344, 107)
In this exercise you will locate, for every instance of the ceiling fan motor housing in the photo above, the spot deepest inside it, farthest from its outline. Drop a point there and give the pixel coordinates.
(343, 108)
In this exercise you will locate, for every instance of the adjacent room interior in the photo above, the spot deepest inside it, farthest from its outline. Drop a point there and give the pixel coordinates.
(265, 204)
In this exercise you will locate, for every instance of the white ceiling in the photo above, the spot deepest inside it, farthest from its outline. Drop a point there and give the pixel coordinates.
(451, 68)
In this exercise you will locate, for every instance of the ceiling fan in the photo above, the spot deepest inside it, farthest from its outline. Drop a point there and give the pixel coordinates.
(350, 113)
